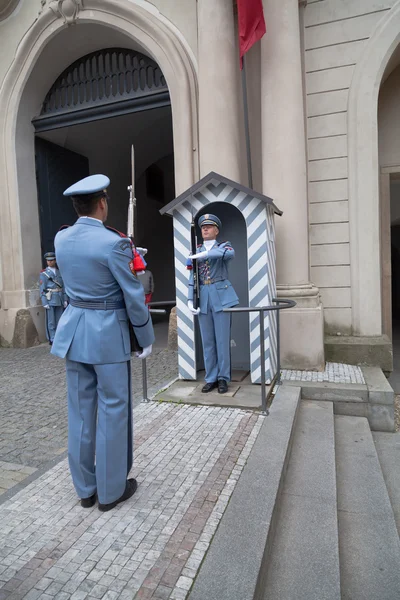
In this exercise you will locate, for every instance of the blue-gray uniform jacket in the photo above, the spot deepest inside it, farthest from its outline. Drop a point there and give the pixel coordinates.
(215, 288)
(95, 263)
(52, 291)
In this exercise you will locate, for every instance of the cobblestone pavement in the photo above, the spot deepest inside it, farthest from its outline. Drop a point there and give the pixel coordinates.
(33, 406)
(333, 373)
(187, 461)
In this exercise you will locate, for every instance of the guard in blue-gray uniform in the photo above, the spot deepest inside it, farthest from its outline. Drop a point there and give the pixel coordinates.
(52, 295)
(216, 293)
(93, 335)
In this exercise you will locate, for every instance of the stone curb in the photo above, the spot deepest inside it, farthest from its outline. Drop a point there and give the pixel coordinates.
(379, 389)
(333, 392)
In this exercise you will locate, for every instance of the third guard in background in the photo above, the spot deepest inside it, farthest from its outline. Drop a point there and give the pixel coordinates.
(52, 295)
(104, 293)
(147, 280)
(216, 293)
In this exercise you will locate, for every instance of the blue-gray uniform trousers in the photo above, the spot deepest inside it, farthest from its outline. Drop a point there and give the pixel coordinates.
(215, 329)
(52, 316)
(102, 394)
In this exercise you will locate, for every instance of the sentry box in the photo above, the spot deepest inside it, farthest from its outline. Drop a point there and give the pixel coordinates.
(248, 223)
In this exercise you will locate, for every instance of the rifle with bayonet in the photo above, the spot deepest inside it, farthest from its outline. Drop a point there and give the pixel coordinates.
(193, 244)
(137, 263)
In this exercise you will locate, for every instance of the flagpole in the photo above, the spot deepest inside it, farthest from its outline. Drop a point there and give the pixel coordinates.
(246, 123)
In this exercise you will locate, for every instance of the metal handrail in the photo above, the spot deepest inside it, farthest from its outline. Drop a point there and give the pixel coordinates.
(281, 304)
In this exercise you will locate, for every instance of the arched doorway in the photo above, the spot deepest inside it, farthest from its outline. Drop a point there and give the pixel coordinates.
(364, 174)
(47, 49)
(389, 163)
(99, 107)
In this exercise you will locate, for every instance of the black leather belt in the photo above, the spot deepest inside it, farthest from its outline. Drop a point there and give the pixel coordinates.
(98, 304)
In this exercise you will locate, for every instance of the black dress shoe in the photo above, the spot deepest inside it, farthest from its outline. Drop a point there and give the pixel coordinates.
(222, 386)
(130, 489)
(88, 502)
(208, 387)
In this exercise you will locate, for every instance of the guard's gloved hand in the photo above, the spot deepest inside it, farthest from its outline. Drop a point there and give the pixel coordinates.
(200, 255)
(142, 251)
(193, 310)
(65, 304)
(145, 352)
(47, 307)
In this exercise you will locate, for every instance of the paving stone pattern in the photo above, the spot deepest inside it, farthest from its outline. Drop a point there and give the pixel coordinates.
(333, 373)
(11, 474)
(33, 400)
(187, 460)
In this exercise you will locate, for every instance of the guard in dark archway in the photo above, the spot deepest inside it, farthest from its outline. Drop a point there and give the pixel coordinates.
(216, 293)
(52, 295)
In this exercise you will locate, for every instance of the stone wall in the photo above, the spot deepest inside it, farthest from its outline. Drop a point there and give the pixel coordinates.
(335, 34)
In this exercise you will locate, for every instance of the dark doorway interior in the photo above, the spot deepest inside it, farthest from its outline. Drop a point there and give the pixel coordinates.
(67, 154)
(394, 378)
(56, 169)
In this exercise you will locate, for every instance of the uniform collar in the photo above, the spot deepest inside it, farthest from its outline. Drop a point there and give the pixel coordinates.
(215, 242)
(89, 221)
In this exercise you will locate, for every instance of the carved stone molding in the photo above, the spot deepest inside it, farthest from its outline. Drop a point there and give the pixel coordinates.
(68, 10)
(6, 8)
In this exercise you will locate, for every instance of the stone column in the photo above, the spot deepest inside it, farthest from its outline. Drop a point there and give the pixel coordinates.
(219, 129)
(285, 180)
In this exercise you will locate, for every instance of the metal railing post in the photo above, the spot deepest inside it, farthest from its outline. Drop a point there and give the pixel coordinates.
(278, 348)
(262, 358)
(144, 381)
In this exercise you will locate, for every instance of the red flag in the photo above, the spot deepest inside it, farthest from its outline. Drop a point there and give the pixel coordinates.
(251, 24)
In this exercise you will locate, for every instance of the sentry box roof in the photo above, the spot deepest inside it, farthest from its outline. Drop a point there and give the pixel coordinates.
(216, 184)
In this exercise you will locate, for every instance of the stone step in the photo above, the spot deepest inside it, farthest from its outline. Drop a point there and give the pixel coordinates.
(241, 545)
(304, 562)
(369, 545)
(388, 449)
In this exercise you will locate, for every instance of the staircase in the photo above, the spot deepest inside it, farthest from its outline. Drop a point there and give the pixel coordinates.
(336, 536)
(315, 515)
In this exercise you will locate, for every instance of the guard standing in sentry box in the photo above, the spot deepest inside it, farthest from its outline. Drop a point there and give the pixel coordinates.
(52, 295)
(215, 293)
(98, 267)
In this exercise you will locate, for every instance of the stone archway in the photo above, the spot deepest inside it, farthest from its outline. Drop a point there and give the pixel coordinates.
(364, 175)
(149, 32)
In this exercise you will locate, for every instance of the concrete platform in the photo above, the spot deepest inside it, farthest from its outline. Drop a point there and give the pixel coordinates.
(239, 395)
